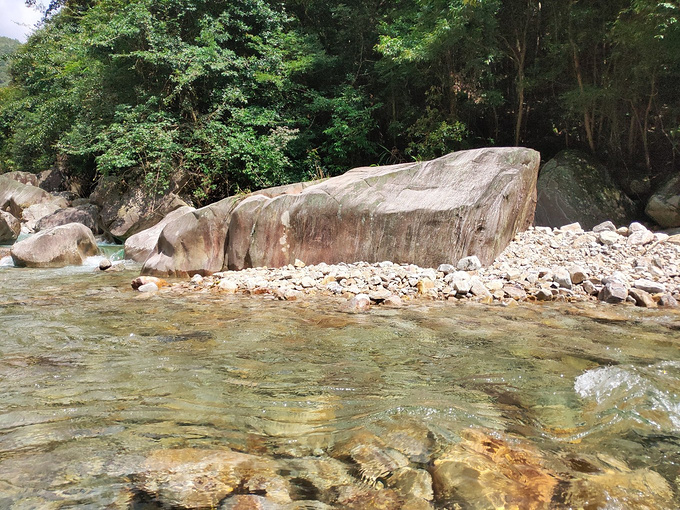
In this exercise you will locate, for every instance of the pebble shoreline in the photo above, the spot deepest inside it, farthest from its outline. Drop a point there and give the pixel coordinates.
(615, 265)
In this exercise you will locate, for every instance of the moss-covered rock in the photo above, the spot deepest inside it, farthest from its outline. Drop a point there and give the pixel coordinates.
(573, 187)
(664, 205)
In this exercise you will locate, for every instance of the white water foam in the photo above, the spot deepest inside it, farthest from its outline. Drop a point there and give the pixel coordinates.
(6, 262)
(645, 393)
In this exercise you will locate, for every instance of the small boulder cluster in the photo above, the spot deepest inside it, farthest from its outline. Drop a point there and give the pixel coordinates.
(614, 265)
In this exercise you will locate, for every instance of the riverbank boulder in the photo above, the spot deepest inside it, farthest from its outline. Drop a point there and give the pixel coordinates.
(15, 196)
(87, 214)
(31, 215)
(139, 246)
(193, 243)
(195, 478)
(127, 211)
(65, 245)
(10, 228)
(574, 187)
(427, 213)
(664, 205)
(465, 203)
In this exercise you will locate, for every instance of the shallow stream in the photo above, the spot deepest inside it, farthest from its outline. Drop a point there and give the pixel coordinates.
(95, 375)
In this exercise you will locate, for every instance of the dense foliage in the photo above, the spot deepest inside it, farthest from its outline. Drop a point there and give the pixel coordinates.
(7, 47)
(230, 96)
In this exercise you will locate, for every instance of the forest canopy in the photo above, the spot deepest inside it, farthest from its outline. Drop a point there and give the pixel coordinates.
(240, 95)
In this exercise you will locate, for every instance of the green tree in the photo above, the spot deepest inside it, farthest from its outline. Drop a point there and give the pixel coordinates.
(7, 48)
(440, 52)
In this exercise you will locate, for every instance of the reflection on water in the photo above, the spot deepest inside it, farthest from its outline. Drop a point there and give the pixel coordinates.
(568, 403)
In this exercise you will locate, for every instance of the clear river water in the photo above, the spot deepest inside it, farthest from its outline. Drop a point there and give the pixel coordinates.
(94, 376)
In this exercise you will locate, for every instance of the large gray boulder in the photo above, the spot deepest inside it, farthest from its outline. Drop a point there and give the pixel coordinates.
(139, 246)
(194, 243)
(31, 215)
(16, 196)
(66, 245)
(664, 205)
(573, 187)
(87, 214)
(125, 212)
(465, 203)
(10, 228)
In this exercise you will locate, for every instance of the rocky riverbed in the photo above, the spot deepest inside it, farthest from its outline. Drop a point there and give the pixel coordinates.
(627, 264)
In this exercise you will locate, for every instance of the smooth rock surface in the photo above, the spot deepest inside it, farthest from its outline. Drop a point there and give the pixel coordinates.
(139, 246)
(33, 214)
(194, 243)
(148, 287)
(66, 245)
(470, 202)
(16, 196)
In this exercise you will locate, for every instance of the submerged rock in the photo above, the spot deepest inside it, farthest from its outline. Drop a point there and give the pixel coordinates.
(66, 245)
(490, 470)
(144, 280)
(196, 478)
(358, 303)
(609, 483)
